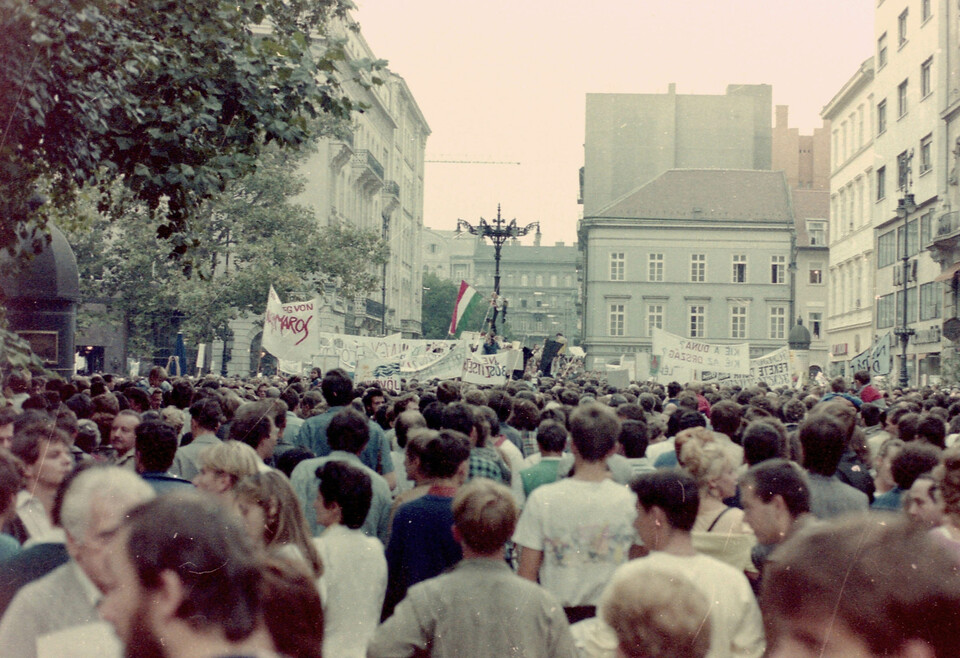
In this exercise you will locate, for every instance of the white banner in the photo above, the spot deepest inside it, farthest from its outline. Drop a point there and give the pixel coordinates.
(877, 358)
(493, 369)
(772, 368)
(289, 330)
(386, 373)
(674, 351)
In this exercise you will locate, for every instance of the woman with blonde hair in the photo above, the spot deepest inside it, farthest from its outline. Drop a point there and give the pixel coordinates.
(224, 464)
(274, 520)
(719, 530)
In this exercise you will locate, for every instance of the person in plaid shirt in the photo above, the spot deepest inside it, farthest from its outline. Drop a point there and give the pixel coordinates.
(485, 461)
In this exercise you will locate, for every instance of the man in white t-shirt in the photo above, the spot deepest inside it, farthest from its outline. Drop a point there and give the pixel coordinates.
(574, 533)
(667, 503)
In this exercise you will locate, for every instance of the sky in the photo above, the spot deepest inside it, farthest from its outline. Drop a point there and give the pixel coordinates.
(506, 81)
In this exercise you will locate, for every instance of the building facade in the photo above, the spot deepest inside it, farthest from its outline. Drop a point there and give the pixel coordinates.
(630, 139)
(372, 178)
(852, 265)
(540, 283)
(683, 254)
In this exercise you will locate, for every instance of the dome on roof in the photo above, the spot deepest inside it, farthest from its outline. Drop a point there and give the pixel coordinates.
(799, 338)
(52, 274)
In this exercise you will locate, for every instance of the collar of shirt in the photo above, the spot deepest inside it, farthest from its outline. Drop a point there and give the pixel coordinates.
(90, 591)
(33, 514)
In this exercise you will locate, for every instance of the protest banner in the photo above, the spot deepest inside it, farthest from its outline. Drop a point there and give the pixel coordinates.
(492, 369)
(385, 373)
(618, 376)
(877, 358)
(676, 351)
(289, 329)
(772, 368)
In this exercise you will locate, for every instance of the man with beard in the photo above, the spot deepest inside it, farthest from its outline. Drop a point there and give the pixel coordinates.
(186, 581)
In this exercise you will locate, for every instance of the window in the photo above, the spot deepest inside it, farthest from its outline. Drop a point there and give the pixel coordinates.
(885, 309)
(523, 303)
(778, 322)
(524, 279)
(882, 117)
(817, 230)
(778, 269)
(926, 154)
(697, 320)
(930, 298)
(816, 273)
(902, 98)
(538, 280)
(654, 317)
(618, 319)
(554, 280)
(618, 266)
(655, 267)
(739, 268)
(882, 51)
(912, 240)
(925, 10)
(432, 248)
(926, 79)
(902, 27)
(698, 268)
(903, 170)
(881, 183)
(926, 228)
(911, 305)
(816, 324)
(738, 321)
(886, 249)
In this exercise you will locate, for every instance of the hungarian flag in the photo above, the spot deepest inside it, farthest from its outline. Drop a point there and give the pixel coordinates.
(468, 311)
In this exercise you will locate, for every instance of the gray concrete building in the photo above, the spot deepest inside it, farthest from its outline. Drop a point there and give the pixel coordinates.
(701, 253)
(631, 139)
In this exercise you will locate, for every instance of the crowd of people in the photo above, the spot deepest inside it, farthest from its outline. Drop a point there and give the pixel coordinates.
(311, 515)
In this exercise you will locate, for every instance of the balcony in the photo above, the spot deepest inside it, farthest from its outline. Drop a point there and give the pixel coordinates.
(368, 170)
(945, 241)
(390, 196)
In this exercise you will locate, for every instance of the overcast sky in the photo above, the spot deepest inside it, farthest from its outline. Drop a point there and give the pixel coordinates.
(506, 81)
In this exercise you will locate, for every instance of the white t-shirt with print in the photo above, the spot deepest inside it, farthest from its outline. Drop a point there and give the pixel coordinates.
(585, 530)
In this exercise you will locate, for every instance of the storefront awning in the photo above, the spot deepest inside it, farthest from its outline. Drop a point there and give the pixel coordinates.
(949, 273)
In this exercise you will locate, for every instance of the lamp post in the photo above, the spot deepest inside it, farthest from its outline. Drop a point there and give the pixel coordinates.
(498, 231)
(383, 288)
(905, 207)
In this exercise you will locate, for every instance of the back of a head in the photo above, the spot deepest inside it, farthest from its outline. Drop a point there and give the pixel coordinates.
(231, 457)
(337, 388)
(907, 426)
(704, 460)
(11, 478)
(406, 421)
(444, 453)
(207, 413)
(551, 436)
(912, 461)
(633, 438)
(156, 446)
(673, 491)
(932, 430)
(823, 441)
(501, 402)
(725, 417)
(485, 513)
(204, 545)
(870, 413)
(348, 431)
(779, 477)
(460, 417)
(761, 441)
(886, 584)
(250, 428)
(526, 416)
(349, 487)
(657, 613)
(594, 429)
(448, 392)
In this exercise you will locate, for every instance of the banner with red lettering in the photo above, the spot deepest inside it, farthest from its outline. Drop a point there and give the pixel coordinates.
(289, 330)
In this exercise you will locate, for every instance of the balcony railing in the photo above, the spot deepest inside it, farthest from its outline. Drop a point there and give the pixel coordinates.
(948, 224)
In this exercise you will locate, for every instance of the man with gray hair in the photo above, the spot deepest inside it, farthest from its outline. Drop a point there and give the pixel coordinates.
(94, 505)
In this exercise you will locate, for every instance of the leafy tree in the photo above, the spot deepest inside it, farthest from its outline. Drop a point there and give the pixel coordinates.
(251, 236)
(174, 99)
(439, 296)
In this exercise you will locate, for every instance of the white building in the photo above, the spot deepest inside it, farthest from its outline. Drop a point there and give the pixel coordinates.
(850, 325)
(371, 178)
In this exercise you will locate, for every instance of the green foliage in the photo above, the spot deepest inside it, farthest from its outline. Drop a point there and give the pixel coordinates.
(439, 296)
(249, 237)
(174, 99)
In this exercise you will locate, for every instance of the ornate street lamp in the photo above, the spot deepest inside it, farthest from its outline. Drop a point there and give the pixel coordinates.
(905, 207)
(498, 231)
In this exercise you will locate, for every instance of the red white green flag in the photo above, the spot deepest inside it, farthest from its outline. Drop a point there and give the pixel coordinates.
(468, 311)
